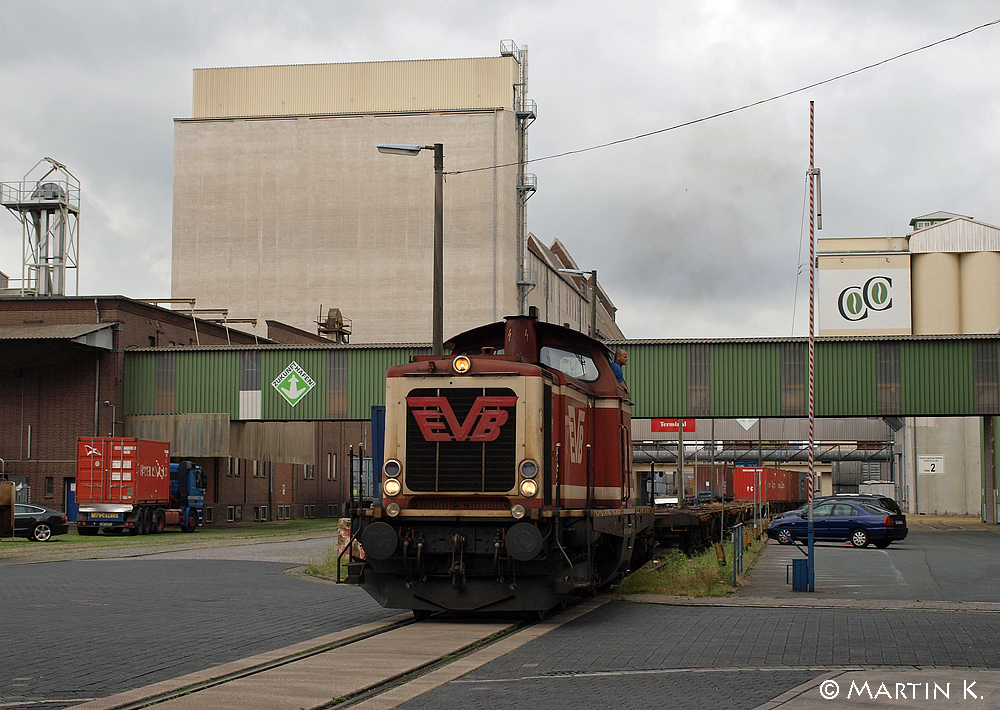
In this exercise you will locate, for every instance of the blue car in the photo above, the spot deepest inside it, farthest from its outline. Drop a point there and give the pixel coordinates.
(838, 520)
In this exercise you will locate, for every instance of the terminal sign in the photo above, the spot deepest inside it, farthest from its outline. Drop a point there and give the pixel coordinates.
(670, 425)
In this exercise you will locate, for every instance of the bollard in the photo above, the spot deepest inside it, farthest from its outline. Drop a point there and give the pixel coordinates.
(800, 575)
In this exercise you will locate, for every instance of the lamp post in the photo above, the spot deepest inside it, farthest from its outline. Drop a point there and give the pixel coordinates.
(114, 416)
(437, 303)
(592, 277)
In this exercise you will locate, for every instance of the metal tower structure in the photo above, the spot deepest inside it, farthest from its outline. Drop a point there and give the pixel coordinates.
(47, 202)
(525, 110)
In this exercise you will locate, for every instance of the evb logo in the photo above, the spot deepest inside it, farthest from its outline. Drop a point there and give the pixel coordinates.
(855, 302)
(437, 420)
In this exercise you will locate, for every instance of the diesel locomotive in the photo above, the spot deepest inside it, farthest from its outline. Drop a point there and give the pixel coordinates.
(507, 483)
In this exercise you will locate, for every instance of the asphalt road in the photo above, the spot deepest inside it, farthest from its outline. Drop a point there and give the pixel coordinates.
(86, 629)
(957, 565)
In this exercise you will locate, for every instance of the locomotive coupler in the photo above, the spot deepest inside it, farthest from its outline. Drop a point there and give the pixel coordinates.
(458, 561)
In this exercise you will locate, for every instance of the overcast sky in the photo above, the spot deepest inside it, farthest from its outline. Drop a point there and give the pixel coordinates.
(695, 232)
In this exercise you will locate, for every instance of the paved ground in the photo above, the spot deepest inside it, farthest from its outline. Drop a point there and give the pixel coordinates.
(86, 629)
(768, 648)
(628, 655)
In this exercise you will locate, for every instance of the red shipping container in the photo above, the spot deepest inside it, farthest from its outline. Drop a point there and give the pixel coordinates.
(120, 470)
(744, 482)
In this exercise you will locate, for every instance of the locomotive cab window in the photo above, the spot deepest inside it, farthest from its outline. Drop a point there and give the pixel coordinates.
(572, 362)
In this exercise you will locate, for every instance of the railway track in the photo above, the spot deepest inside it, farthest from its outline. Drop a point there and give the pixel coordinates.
(360, 668)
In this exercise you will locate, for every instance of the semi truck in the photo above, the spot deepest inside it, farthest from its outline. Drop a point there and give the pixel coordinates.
(130, 485)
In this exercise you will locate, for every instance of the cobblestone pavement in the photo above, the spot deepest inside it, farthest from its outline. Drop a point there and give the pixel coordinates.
(628, 655)
(87, 629)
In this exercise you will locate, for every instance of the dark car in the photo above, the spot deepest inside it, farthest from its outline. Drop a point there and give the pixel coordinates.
(868, 498)
(860, 523)
(37, 522)
(871, 499)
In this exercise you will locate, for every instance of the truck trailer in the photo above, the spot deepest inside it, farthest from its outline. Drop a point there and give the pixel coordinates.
(125, 484)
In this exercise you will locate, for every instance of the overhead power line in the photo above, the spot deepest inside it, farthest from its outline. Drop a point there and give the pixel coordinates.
(737, 109)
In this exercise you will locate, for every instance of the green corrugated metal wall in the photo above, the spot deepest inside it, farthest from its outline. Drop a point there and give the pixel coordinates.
(930, 377)
(845, 379)
(937, 377)
(657, 377)
(140, 378)
(746, 377)
(348, 381)
(208, 382)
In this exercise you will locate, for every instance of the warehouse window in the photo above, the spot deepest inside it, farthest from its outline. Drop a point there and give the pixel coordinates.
(250, 371)
(698, 372)
(239, 512)
(794, 379)
(888, 391)
(208, 515)
(230, 514)
(984, 373)
(50, 485)
(331, 467)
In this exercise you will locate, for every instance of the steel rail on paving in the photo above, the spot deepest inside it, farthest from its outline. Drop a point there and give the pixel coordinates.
(343, 701)
(260, 668)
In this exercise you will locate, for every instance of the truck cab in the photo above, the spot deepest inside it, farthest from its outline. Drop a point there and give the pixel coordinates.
(187, 491)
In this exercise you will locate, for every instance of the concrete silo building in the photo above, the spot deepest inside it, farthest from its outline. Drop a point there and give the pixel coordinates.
(943, 278)
(284, 208)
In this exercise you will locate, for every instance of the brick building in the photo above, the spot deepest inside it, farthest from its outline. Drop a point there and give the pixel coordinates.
(62, 376)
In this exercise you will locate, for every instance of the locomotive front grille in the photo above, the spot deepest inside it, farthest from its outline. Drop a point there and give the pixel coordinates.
(464, 442)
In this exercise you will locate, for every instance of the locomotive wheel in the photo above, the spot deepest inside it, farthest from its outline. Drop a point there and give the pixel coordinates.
(607, 558)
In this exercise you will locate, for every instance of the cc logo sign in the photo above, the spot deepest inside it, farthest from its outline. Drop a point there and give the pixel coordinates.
(855, 301)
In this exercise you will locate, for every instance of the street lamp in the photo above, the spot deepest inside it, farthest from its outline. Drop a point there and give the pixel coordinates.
(437, 306)
(592, 277)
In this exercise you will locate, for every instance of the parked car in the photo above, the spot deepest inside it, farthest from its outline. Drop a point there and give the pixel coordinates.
(879, 501)
(36, 522)
(860, 523)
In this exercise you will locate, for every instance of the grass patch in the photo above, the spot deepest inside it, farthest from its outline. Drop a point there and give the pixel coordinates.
(327, 567)
(75, 546)
(673, 573)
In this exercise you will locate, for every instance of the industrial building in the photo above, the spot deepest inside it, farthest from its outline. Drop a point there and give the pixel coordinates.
(943, 278)
(284, 208)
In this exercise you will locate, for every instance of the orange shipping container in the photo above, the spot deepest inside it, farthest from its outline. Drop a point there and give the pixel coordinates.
(122, 471)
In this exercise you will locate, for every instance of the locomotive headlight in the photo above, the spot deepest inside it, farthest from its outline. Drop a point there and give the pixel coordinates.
(391, 487)
(392, 468)
(528, 488)
(392, 510)
(517, 511)
(529, 469)
(461, 364)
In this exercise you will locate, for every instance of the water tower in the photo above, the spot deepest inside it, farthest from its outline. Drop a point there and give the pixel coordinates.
(47, 201)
